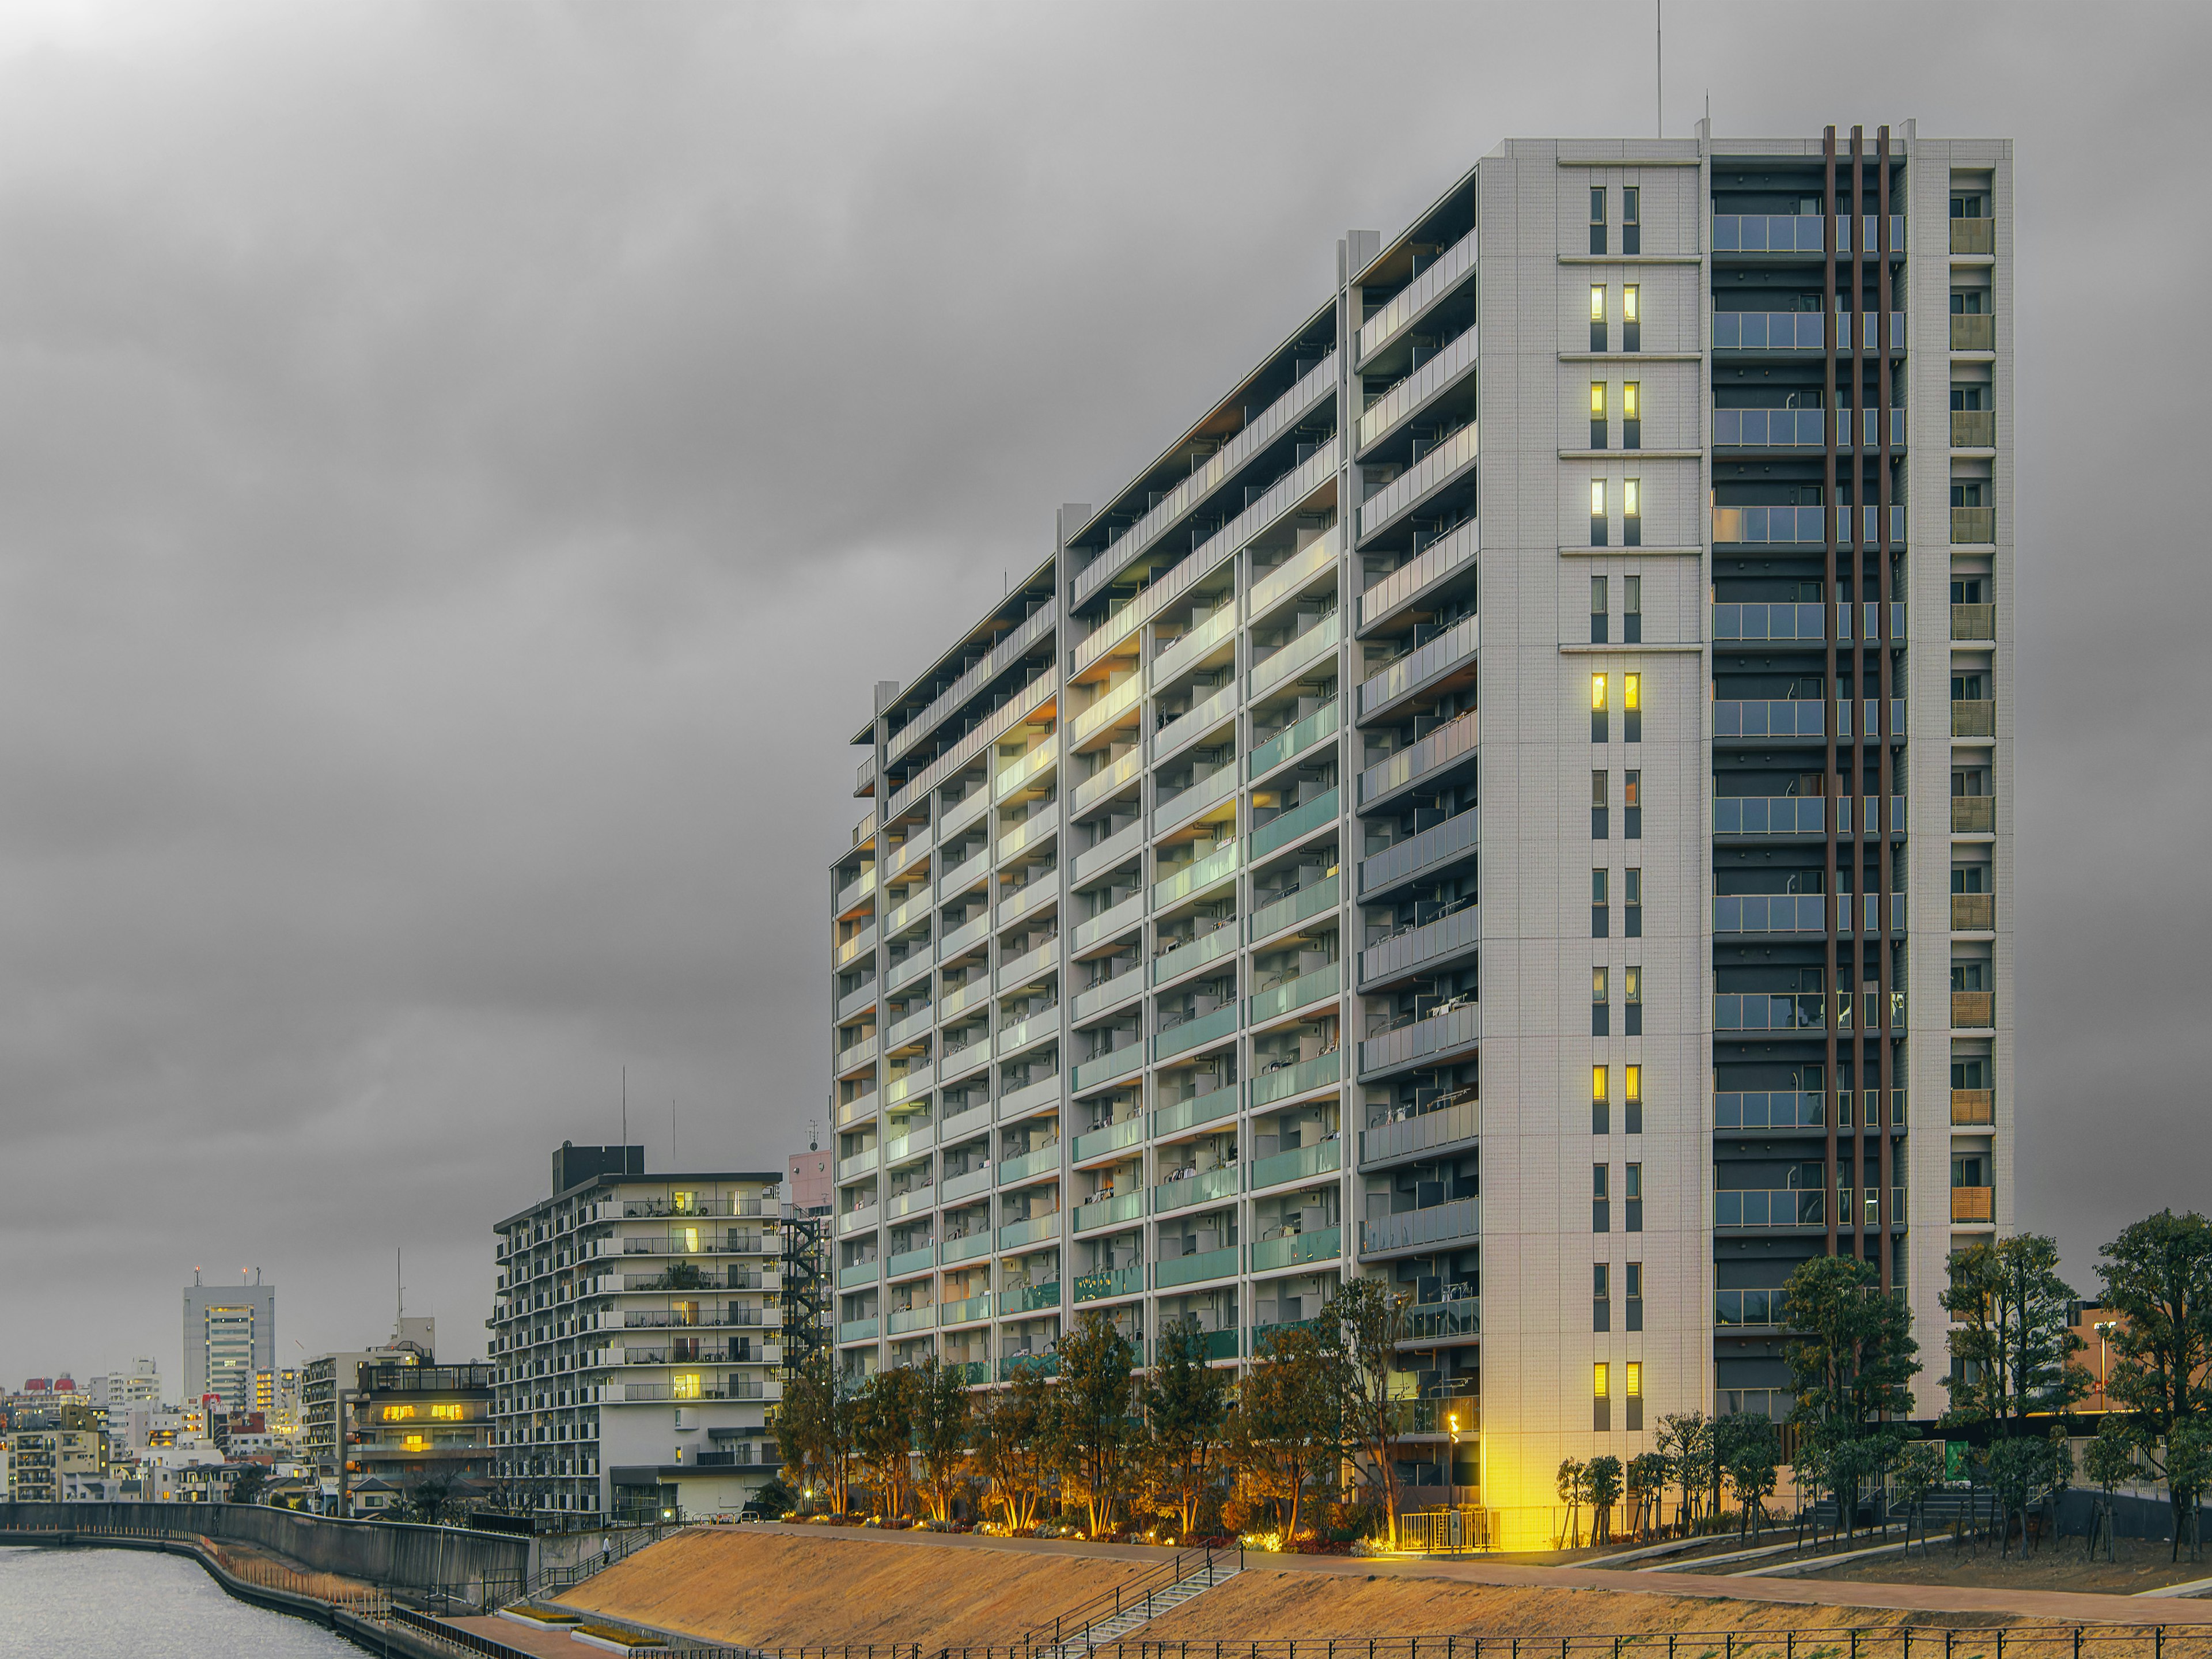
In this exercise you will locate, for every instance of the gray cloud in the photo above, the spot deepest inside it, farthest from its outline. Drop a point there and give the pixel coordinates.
(460, 468)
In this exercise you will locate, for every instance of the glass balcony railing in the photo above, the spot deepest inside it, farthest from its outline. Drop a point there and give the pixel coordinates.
(1190, 1269)
(1769, 1011)
(1439, 279)
(1447, 744)
(966, 1247)
(1044, 1160)
(1299, 1163)
(1769, 815)
(1203, 790)
(1804, 717)
(1280, 581)
(1199, 873)
(1310, 900)
(1296, 1249)
(1444, 366)
(920, 1318)
(1783, 1109)
(1109, 1211)
(911, 1261)
(1195, 721)
(1801, 331)
(1791, 1206)
(1426, 475)
(1107, 923)
(1449, 1027)
(1416, 1132)
(1433, 846)
(1295, 993)
(1205, 1187)
(1199, 1108)
(1416, 667)
(1211, 946)
(1114, 1281)
(1287, 827)
(856, 1330)
(964, 1311)
(1440, 559)
(1801, 428)
(1434, 1322)
(861, 1272)
(1018, 1102)
(1800, 525)
(1037, 1229)
(1972, 525)
(1459, 931)
(1028, 1298)
(1770, 913)
(967, 1185)
(1195, 1033)
(1195, 642)
(1292, 740)
(1973, 814)
(1010, 778)
(1973, 1106)
(1768, 1307)
(1297, 654)
(1274, 1083)
(1973, 429)
(1973, 719)
(1440, 1225)
(1975, 332)
(1102, 1068)
(1096, 999)
(1801, 232)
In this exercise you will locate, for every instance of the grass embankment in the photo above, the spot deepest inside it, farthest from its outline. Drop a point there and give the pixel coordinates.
(2059, 1566)
(764, 1589)
(1269, 1604)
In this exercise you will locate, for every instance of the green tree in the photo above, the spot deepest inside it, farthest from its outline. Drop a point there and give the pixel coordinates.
(2158, 1278)
(1010, 1437)
(1747, 1449)
(1852, 1360)
(1572, 1485)
(1186, 1419)
(1284, 1431)
(248, 1484)
(1919, 1472)
(815, 1424)
(1686, 1441)
(1373, 1317)
(940, 1422)
(2009, 1337)
(2188, 1473)
(2110, 1460)
(1602, 1477)
(883, 1428)
(1094, 1417)
(1647, 1488)
(2022, 1469)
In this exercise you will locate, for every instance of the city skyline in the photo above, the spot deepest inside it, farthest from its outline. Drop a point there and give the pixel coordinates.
(404, 788)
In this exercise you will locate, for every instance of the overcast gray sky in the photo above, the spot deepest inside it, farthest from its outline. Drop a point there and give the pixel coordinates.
(462, 465)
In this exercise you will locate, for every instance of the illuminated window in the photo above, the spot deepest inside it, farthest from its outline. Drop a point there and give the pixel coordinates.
(1597, 708)
(1597, 513)
(399, 1414)
(1631, 415)
(450, 1413)
(1635, 1378)
(1597, 415)
(1633, 994)
(1631, 704)
(415, 1443)
(685, 1203)
(1631, 513)
(690, 1240)
(1601, 1095)
(686, 1385)
(1598, 1380)
(1632, 1097)
(1597, 316)
(1600, 1000)
(1631, 320)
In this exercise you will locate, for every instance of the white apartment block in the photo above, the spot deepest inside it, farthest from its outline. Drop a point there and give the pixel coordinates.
(1459, 806)
(635, 1340)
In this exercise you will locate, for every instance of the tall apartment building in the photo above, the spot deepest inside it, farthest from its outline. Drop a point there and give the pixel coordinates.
(635, 1340)
(1460, 802)
(230, 1333)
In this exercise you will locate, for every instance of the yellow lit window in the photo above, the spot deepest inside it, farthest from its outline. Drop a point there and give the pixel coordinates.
(1635, 1086)
(1631, 498)
(1634, 697)
(1628, 313)
(414, 1442)
(1597, 691)
(691, 1239)
(687, 1385)
(1635, 1379)
(1598, 1380)
(1597, 301)
(450, 1413)
(1600, 1076)
(1597, 498)
(1597, 400)
(399, 1414)
(685, 1203)
(1630, 403)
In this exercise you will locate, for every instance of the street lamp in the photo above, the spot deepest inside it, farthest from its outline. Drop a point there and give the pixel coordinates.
(2103, 1352)
(1451, 1422)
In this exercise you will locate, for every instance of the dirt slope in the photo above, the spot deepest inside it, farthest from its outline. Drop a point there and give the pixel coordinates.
(762, 1590)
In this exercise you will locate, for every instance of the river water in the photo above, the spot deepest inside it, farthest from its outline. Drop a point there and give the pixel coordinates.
(135, 1604)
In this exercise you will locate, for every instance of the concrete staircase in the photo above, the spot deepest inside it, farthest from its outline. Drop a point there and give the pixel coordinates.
(1113, 1627)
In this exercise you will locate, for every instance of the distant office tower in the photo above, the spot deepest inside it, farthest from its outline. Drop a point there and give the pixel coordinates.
(230, 1333)
(1161, 985)
(806, 1181)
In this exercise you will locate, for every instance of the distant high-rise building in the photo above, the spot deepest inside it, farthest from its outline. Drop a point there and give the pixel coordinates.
(807, 1180)
(230, 1333)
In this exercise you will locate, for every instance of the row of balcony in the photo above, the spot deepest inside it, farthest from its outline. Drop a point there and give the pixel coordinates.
(1803, 233)
(1807, 622)
(1806, 815)
(1001, 657)
(1809, 1011)
(1805, 428)
(1806, 526)
(1803, 1109)
(1806, 913)
(1804, 717)
(1769, 1208)
(1804, 331)
(1422, 479)
(1457, 547)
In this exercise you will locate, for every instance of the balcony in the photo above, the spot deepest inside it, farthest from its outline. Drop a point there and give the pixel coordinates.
(1409, 766)
(1439, 1226)
(859, 1164)
(966, 1247)
(1806, 526)
(1190, 1269)
(1973, 815)
(1196, 1033)
(1017, 707)
(1417, 296)
(1097, 999)
(913, 1081)
(1802, 233)
(1210, 947)
(1973, 429)
(1436, 845)
(1298, 1249)
(1003, 656)
(1799, 717)
(1769, 1011)
(1044, 1160)
(1272, 586)
(965, 1185)
(1974, 1205)
(1777, 1109)
(1031, 832)
(920, 1317)
(1296, 655)
(861, 1272)
(1785, 1206)
(1195, 641)
(1293, 739)
(1030, 1298)
(856, 1330)
(862, 1052)
(1270, 1084)
(1412, 947)
(1199, 1108)
(1205, 1187)
(1973, 913)
(1285, 827)
(903, 972)
(1767, 1307)
(1973, 719)
(1868, 714)
(1293, 994)
(1974, 236)
(861, 943)
(1107, 780)
(1114, 1281)
(857, 1001)
(1012, 777)
(1769, 815)
(1444, 1321)
(1104, 1067)
(1801, 428)
(1438, 560)
(1421, 1133)
(1195, 722)
(1202, 792)
(1105, 854)
(1121, 1208)
(1304, 902)
(1299, 1163)
(1418, 482)
(906, 1263)
(1279, 416)
(1442, 369)
(1421, 1041)
(857, 1220)
(1802, 331)
(1973, 525)
(1974, 621)
(856, 889)
(1043, 1365)
(1971, 1108)
(1417, 668)
(965, 1311)
(1974, 1011)
(1018, 1103)
(1109, 922)
(1973, 333)
(1028, 966)
(1770, 913)
(1199, 874)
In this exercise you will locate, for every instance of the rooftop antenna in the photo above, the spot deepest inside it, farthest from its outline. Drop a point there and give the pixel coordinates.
(195, 1272)
(399, 1294)
(813, 1135)
(1659, 60)
(625, 1098)
(672, 1163)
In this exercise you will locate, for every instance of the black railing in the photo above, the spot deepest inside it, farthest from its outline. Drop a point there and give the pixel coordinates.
(1076, 1624)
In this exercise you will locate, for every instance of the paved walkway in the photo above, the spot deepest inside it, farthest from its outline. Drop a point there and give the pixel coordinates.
(551, 1643)
(2034, 1607)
